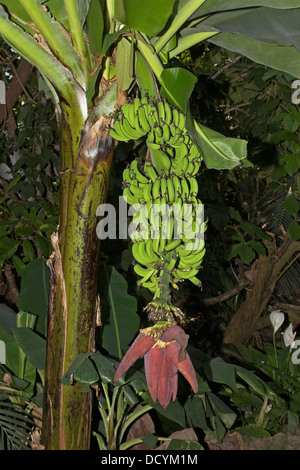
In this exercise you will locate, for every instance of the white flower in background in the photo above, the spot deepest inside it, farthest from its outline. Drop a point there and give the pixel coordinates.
(289, 336)
(276, 318)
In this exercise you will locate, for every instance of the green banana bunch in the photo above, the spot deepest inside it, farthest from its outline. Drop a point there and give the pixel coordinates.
(167, 187)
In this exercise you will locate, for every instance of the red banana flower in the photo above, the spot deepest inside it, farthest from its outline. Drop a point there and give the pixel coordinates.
(163, 347)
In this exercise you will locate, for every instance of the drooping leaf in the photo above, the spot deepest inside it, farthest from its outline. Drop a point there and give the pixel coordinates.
(146, 17)
(227, 416)
(284, 58)
(219, 152)
(120, 320)
(124, 63)
(144, 76)
(32, 345)
(212, 6)
(69, 375)
(105, 367)
(95, 27)
(34, 291)
(7, 319)
(267, 25)
(178, 85)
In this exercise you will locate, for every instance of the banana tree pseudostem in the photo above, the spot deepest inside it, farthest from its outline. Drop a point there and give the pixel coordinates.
(90, 53)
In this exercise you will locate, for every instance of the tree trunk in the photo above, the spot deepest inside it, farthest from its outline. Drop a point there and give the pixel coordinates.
(265, 274)
(73, 267)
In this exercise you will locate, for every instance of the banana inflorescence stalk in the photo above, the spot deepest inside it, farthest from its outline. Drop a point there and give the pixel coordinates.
(169, 246)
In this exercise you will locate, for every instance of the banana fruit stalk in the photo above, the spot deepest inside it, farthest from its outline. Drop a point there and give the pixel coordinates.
(169, 227)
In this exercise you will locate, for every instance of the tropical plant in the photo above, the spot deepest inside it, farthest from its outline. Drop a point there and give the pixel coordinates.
(90, 54)
(278, 365)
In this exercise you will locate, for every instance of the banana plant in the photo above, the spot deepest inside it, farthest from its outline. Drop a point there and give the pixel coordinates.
(91, 53)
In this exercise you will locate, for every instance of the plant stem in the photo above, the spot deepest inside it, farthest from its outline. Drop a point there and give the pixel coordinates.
(182, 16)
(76, 31)
(55, 38)
(151, 57)
(275, 350)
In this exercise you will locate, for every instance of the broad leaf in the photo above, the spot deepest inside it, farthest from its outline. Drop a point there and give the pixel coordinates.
(146, 17)
(32, 345)
(227, 416)
(34, 292)
(267, 25)
(283, 58)
(118, 308)
(144, 76)
(219, 152)
(69, 375)
(95, 27)
(7, 319)
(211, 6)
(105, 367)
(124, 64)
(178, 85)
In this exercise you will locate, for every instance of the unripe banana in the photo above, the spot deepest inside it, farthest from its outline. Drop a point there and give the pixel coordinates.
(139, 176)
(150, 172)
(143, 119)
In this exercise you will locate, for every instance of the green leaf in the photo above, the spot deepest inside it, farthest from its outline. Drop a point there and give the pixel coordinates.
(291, 205)
(219, 152)
(268, 25)
(246, 253)
(7, 319)
(86, 373)
(178, 85)
(146, 17)
(120, 321)
(124, 62)
(195, 413)
(69, 375)
(294, 231)
(221, 372)
(19, 265)
(284, 58)
(105, 367)
(174, 412)
(32, 345)
(28, 250)
(258, 247)
(144, 76)
(293, 164)
(34, 291)
(182, 444)
(227, 416)
(95, 27)
(253, 431)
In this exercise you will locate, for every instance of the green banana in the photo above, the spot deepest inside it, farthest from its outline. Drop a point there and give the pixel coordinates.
(167, 184)
(173, 244)
(156, 189)
(168, 113)
(130, 198)
(147, 192)
(143, 119)
(170, 190)
(185, 273)
(129, 113)
(161, 111)
(139, 176)
(149, 171)
(150, 251)
(163, 186)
